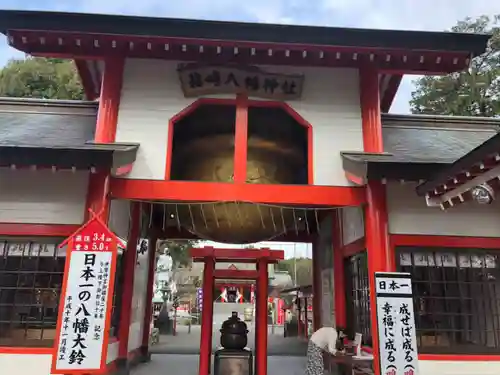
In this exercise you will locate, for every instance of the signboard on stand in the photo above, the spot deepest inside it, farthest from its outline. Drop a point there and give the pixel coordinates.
(86, 302)
(396, 324)
(199, 298)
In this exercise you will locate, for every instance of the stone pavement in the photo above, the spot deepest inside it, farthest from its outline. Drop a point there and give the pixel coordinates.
(163, 364)
(189, 343)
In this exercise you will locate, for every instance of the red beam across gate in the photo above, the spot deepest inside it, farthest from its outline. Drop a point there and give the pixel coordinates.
(236, 255)
(236, 274)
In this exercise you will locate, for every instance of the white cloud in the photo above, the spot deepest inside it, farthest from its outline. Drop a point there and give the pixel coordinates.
(382, 14)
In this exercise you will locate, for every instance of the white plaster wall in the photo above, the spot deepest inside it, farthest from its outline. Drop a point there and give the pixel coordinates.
(119, 217)
(29, 364)
(353, 225)
(459, 368)
(39, 364)
(409, 214)
(151, 95)
(330, 103)
(26, 364)
(42, 197)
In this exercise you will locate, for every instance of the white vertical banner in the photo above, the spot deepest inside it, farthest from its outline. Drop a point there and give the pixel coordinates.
(396, 324)
(82, 332)
(83, 324)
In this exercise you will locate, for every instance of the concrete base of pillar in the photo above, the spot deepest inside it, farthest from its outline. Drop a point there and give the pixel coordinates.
(122, 366)
(145, 355)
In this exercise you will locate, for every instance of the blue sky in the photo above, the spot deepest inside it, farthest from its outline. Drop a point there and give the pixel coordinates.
(382, 14)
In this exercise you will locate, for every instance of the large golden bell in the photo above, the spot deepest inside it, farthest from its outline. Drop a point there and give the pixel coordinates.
(212, 159)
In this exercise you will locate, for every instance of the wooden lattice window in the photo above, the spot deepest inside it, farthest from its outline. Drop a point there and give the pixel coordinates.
(31, 276)
(358, 297)
(456, 298)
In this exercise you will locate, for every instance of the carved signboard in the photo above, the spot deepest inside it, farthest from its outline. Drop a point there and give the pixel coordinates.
(396, 324)
(198, 80)
(85, 312)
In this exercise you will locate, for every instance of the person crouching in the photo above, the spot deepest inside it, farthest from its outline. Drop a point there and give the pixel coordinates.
(324, 339)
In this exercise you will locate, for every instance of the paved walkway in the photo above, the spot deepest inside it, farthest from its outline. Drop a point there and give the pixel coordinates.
(180, 353)
(189, 343)
(188, 365)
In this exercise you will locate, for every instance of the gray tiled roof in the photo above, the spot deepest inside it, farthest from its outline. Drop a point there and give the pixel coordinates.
(45, 125)
(59, 123)
(45, 129)
(432, 141)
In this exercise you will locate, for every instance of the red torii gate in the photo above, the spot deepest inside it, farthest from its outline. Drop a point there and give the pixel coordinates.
(262, 258)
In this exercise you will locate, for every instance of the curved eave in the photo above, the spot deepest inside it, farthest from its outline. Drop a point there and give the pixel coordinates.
(92, 46)
(115, 157)
(389, 85)
(255, 33)
(90, 37)
(453, 185)
(361, 167)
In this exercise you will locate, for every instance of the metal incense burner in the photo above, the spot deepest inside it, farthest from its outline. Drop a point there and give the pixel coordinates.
(234, 358)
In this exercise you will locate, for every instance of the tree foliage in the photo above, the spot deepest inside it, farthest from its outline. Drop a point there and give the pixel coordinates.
(473, 92)
(304, 270)
(179, 251)
(36, 77)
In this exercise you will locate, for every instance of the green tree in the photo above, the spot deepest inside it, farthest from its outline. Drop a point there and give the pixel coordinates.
(179, 251)
(36, 77)
(304, 270)
(473, 92)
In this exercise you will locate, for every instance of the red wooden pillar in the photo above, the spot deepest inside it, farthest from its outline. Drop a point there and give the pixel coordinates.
(97, 194)
(261, 319)
(109, 101)
(316, 286)
(306, 322)
(148, 314)
(207, 316)
(376, 234)
(370, 109)
(299, 317)
(338, 271)
(129, 263)
(241, 139)
(257, 323)
(107, 120)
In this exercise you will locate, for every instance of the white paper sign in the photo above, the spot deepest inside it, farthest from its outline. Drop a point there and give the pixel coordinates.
(82, 331)
(31, 249)
(447, 259)
(396, 324)
(392, 285)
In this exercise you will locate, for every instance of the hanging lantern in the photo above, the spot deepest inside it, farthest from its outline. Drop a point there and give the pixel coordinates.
(483, 194)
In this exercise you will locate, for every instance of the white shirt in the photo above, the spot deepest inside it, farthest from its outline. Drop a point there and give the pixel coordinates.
(326, 338)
